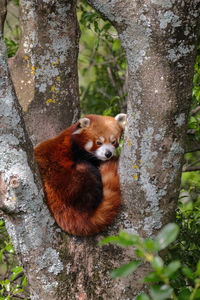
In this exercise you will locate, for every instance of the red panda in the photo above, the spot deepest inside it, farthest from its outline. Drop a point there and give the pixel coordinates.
(79, 174)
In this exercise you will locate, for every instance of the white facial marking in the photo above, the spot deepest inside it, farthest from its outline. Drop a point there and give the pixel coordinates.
(103, 150)
(88, 145)
(101, 138)
(112, 138)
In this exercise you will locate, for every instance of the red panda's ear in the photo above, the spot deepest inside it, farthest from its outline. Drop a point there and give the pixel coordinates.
(82, 123)
(121, 120)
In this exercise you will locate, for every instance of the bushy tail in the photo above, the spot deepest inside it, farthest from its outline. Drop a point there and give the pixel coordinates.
(110, 204)
(82, 223)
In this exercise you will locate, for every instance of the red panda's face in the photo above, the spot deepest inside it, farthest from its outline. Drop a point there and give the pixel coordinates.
(103, 147)
(99, 135)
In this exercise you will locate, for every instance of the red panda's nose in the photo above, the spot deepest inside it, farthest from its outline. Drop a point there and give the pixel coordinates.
(108, 154)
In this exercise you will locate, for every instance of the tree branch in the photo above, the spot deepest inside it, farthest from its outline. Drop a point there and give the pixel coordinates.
(190, 168)
(195, 111)
(191, 144)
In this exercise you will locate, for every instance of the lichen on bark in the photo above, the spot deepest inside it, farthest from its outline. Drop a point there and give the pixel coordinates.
(159, 38)
(22, 200)
(44, 70)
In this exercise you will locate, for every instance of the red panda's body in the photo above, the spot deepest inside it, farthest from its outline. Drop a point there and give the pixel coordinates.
(80, 183)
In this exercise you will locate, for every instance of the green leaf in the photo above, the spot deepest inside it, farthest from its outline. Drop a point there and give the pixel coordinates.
(10, 248)
(107, 26)
(15, 271)
(198, 269)
(143, 297)
(96, 44)
(188, 273)
(139, 253)
(96, 27)
(131, 238)
(1, 254)
(110, 239)
(116, 45)
(24, 281)
(167, 235)
(17, 290)
(123, 239)
(151, 277)
(184, 294)
(157, 263)
(149, 244)
(6, 284)
(125, 269)
(172, 268)
(161, 292)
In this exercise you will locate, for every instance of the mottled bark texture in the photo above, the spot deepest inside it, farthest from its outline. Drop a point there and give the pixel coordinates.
(26, 216)
(159, 38)
(44, 70)
(3, 13)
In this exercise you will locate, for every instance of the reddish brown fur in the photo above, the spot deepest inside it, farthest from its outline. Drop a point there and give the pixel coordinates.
(71, 186)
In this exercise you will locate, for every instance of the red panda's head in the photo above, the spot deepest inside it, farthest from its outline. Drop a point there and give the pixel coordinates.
(99, 135)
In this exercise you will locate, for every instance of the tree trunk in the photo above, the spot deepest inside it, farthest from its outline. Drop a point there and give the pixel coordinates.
(27, 218)
(44, 70)
(3, 13)
(159, 39)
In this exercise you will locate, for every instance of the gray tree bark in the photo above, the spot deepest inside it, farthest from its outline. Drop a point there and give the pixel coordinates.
(159, 38)
(26, 215)
(44, 70)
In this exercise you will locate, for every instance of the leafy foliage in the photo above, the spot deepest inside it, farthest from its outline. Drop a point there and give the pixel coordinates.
(12, 279)
(162, 275)
(186, 248)
(194, 120)
(12, 47)
(196, 80)
(11, 28)
(102, 65)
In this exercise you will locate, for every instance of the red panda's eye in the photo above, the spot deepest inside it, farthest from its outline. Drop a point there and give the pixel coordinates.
(113, 142)
(99, 143)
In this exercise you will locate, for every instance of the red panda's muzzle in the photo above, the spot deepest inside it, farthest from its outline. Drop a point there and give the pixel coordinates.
(105, 152)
